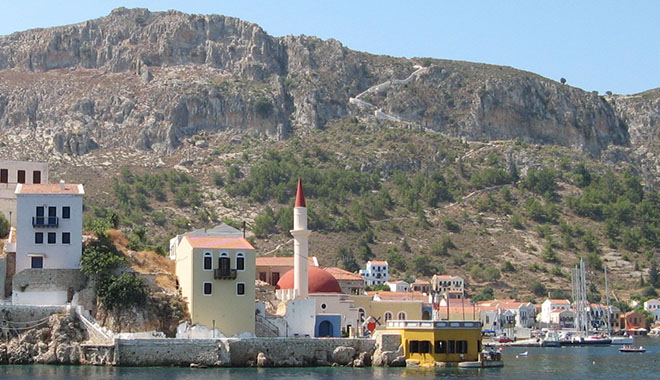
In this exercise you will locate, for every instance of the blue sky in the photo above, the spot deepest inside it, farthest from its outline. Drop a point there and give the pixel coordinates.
(596, 45)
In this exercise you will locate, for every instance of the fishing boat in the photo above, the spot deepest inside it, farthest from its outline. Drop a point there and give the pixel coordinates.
(629, 348)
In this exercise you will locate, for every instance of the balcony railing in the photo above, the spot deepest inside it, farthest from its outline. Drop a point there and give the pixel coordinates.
(45, 221)
(219, 274)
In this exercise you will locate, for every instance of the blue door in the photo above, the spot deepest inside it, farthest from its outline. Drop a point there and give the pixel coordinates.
(325, 328)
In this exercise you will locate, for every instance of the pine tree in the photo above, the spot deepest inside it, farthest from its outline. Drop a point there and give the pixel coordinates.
(654, 279)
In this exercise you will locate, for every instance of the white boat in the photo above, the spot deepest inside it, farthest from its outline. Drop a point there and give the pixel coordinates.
(623, 340)
(628, 348)
(551, 340)
(487, 359)
(523, 354)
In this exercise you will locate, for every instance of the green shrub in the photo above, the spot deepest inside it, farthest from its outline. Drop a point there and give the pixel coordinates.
(263, 107)
(124, 290)
(538, 289)
(4, 226)
(100, 257)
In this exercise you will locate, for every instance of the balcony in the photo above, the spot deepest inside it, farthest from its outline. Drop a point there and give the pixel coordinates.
(45, 221)
(220, 274)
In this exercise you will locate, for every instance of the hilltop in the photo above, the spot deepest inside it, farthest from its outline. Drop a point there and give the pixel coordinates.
(422, 161)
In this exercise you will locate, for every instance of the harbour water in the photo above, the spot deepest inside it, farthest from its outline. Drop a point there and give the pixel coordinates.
(563, 363)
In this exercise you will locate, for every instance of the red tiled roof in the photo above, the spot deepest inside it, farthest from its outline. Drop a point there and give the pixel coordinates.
(49, 188)
(375, 262)
(341, 274)
(400, 296)
(279, 261)
(218, 242)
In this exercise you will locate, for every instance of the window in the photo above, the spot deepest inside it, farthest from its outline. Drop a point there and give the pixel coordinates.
(208, 261)
(21, 176)
(361, 314)
(40, 215)
(66, 237)
(387, 316)
(401, 316)
(420, 347)
(240, 288)
(36, 262)
(440, 346)
(208, 288)
(38, 238)
(224, 264)
(462, 346)
(240, 261)
(66, 212)
(4, 176)
(36, 176)
(451, 347)
(323, 306)
(262, 276)
(52, 238)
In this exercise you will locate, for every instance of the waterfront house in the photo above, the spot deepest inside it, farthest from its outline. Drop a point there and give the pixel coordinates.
(550, 305)
(635, 323)
(376, 272)
(428, 342)
(216, 276)
(48, 243)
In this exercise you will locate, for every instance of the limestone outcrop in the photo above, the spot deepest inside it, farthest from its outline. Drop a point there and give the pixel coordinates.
(149, 80)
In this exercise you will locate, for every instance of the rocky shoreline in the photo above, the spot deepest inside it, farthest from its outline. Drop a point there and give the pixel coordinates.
(62, 339)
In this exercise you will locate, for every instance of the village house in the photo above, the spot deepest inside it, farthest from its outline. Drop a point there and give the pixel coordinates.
(442, 283)
(422, 286)
(376, 273)
(550, 305)
(635, 323)
(271, 268)
(524, 312)
(216, 276)
(349, 282)
(48, 239)
(13, 173)
(652, 304)
(398, 286)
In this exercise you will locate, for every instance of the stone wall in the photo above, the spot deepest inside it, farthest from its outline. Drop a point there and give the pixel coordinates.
(280, 352)
(171, 352)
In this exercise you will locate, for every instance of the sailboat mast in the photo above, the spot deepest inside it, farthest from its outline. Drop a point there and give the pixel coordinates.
(607, 300)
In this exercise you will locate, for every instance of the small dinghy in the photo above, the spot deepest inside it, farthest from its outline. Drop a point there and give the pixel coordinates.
(523, 354)
(628, 348)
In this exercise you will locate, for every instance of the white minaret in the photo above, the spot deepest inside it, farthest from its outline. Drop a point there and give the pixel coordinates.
(300, 245)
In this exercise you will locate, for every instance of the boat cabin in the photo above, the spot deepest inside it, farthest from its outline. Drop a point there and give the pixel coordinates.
(428, 342)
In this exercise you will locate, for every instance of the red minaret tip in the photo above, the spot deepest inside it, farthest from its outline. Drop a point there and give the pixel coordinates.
(300, 196)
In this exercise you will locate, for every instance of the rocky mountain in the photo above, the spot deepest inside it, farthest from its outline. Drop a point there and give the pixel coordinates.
(150, 79)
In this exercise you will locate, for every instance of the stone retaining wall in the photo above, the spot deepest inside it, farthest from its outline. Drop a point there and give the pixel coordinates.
(280, 352)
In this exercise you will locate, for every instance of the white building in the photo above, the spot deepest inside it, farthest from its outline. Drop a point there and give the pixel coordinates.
(13, 173)
(49, 226)
(398, 286)
(551, 305)
(377, 272)
(446, 283)
(651, 305)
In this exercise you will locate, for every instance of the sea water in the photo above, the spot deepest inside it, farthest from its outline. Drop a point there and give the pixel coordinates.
(564, 363)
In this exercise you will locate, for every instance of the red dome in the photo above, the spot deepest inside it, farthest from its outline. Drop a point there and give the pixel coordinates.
(320, 281)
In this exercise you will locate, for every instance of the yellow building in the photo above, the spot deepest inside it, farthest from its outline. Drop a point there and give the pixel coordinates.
(385, 309)
(428, 342)
(216, 275)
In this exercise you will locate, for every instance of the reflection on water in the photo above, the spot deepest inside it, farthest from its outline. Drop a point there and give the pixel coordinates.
(563, 363)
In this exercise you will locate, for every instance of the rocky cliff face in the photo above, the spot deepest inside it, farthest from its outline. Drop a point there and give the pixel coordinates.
(148, 80)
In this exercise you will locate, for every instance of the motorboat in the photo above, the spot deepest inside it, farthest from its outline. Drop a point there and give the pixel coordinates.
(629, 348)
(551, 340)
(487, 359)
